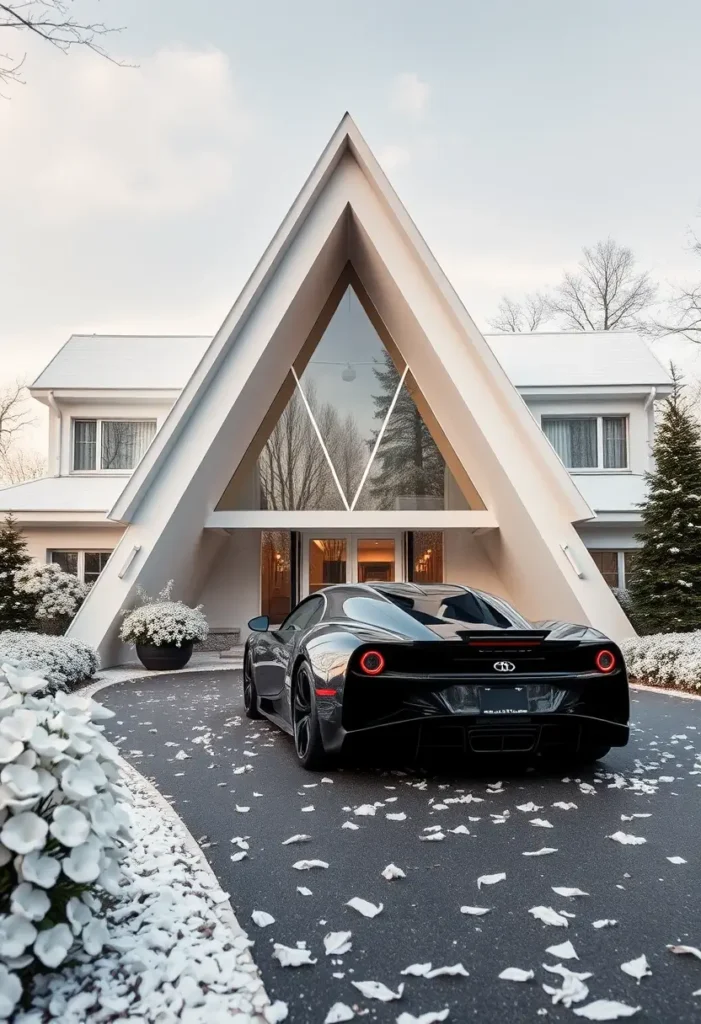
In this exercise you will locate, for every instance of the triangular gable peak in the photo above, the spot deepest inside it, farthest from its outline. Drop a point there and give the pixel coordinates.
(347, 226)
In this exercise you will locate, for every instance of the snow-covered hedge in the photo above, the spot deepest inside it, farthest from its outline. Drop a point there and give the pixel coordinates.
(665, 659)
(64, 829)
(61, 661)
(58, 594)
(164, 623)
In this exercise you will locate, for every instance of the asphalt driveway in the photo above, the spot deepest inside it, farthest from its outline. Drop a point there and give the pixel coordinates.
(231, 779)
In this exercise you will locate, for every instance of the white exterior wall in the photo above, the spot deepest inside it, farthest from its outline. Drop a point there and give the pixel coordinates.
(43, 539)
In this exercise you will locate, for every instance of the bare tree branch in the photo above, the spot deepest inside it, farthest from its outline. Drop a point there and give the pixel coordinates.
(14, 415)
(684, 310)
(515, 317)
(52, 21)
(20, 464)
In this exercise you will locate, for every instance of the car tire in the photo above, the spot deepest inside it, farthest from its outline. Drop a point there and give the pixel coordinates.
(250, 694)
(591, 752)
(306, 733)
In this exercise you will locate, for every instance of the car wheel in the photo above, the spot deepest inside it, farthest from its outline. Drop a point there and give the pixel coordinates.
(591, 752)
(309, 745)
(250, 694)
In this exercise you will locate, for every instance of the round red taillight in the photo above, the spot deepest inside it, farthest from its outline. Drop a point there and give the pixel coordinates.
(606, 661)
(372, 663)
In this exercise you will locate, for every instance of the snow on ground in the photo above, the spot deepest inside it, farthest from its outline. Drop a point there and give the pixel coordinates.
(176, 952)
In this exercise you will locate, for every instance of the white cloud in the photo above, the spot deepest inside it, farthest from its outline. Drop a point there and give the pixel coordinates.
(409, 94)
(86, 136)
(391, 157)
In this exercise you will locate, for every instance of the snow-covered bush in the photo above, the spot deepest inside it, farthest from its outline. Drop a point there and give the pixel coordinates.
(58, 594)
(164, 623)
(665, 659)
(61, 660)
(64, 828)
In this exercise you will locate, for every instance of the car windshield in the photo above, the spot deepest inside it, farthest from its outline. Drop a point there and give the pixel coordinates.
(467, 606)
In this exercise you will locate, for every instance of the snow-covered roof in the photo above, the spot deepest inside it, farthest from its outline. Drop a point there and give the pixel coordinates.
(585, 359)
(124, 361)
(63, 494)
(541, 359)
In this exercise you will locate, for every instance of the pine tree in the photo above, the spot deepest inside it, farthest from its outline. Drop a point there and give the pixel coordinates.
(666, 580)
(16, 610)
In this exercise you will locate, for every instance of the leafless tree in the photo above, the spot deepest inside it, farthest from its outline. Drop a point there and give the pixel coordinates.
(516, 317)
(52, 21)
(684, 311)
(14, 415)
(607, 293)
(20, 464)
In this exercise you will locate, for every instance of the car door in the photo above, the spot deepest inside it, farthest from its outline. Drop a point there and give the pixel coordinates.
(281, 645)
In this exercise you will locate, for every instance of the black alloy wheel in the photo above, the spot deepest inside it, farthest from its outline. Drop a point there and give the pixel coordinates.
(250, 694)
(305, 723)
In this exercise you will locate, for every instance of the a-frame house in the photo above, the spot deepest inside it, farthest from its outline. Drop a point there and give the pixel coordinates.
(348, 422)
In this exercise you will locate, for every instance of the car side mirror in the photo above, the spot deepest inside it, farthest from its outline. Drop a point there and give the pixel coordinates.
(259, 624)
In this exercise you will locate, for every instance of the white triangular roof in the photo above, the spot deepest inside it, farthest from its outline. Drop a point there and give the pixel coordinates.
(348, 216)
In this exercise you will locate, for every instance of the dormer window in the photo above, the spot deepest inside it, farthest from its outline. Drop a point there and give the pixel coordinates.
(110, 445)
(589, 442)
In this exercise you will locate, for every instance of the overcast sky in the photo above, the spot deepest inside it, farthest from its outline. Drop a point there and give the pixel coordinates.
(139, 199)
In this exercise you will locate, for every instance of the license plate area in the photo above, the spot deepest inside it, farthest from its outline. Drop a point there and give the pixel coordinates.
(503, 700)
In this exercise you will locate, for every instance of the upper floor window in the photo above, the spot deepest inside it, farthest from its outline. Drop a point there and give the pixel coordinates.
(86, 565)
(110, 444)
(589, 442)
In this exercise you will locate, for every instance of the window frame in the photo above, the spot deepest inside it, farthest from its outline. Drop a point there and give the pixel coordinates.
(81, 553)
(620, 554)
(599, 417)
(98, 421)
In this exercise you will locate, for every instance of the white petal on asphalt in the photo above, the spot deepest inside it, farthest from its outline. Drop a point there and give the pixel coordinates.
(586, 787)
(605, 922)
(490, 879)
(432, 1017)
(565, 951)
(236, 857)
(676, 860)
(399, 816)
(565, 805)
(291, 956)
(541, 852)
(625, 840)
(262, 919)
(563, 890)
(339, 1013)
(638, 968)
(417, 970)
(301, 838)
(549, 916)
(351, 825)
(365, 810)
(376, 990)
(307, 865)
(540, 823)
(475, 911)
(516, 974)
(309, 807)
(182, 756)
(606, 1009)
(432, 837)
(365, 908)
(691, 950)
(327, 779)
(242, 810)
(460, 830)
(392, 871)
(571, 991)
(303, 891)
(454, 971)
(529, 808)
(276, 1012)
(337, 943)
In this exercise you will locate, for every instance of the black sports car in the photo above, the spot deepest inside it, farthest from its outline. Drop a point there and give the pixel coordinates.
(434, 666)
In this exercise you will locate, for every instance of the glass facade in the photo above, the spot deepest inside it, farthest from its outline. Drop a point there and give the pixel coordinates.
(425, 556)
(276, 575)
(328, 560)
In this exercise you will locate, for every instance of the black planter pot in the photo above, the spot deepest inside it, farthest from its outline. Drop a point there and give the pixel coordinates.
(164, 658)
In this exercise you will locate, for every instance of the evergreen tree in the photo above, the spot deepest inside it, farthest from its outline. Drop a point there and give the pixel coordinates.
(409, 463)
(16, 610)
(666, 580)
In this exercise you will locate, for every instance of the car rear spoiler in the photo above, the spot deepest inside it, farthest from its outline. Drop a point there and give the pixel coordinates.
(488, 639)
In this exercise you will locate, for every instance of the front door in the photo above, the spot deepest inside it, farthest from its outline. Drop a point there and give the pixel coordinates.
(329, 557)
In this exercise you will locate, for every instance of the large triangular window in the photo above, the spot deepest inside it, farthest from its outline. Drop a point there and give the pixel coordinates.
(348, 430)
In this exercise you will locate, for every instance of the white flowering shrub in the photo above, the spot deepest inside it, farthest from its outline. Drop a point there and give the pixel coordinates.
(58, 594)
(62, 661)
(164, 623)
(64, 828)
(665, 659)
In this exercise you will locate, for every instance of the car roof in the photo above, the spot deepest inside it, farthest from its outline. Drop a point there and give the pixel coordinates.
(400, 589)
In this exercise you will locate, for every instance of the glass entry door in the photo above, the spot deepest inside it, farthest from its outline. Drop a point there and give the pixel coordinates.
(329, 557)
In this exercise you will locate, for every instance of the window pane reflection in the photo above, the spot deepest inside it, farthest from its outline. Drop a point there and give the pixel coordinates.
(376, 560)
(327, 562)
(426, 556)
(276, 576)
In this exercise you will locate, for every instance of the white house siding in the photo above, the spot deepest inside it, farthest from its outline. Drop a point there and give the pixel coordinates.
(41, 540)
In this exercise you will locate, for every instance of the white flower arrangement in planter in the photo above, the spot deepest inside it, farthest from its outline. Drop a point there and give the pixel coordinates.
(62, 661)
(163, 630)
(58, 594)
(64, 829)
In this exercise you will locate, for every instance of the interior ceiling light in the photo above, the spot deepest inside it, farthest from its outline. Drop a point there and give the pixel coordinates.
(348, 373)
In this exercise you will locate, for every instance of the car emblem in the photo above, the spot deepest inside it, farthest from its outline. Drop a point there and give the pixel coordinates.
(504, 666)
